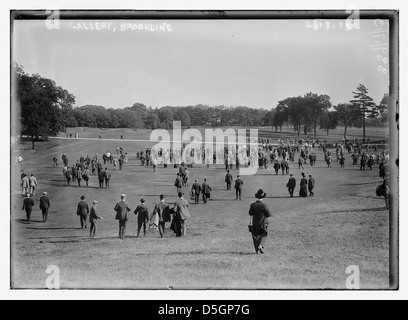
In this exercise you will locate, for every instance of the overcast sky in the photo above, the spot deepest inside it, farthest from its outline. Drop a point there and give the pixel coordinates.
(252, 63)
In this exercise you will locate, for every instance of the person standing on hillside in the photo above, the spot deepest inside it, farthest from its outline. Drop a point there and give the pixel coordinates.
(82, 212)
(258, 225)
(28, 205)
(291, 185)
(238, 188)
(122, 210)
(44, 206)
(228, 180)
(142, 213)
(101, 178)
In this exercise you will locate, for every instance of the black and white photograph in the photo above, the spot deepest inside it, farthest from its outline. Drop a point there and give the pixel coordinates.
(207, 150)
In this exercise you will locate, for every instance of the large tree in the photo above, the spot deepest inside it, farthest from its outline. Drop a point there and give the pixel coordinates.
(364, 105)
(43, 106)
(346, 115)
(316, 106)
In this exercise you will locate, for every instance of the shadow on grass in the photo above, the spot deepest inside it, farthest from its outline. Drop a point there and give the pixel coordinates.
(355, 210)
(24, 221)
(360, 184)
(67, 228)
(73, 239)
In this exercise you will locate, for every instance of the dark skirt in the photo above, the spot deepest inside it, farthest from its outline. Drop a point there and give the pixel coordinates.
(303, 192)
(176, 225)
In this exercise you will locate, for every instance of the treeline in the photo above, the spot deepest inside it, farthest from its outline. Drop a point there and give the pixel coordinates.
(140, 116)
(46, 109)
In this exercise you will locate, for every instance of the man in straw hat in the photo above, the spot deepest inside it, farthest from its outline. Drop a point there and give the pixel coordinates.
(44, 206)
(258, 226)
(28, 205)
(122, 210)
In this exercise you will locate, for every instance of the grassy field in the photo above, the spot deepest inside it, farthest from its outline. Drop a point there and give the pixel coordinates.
(311, 242)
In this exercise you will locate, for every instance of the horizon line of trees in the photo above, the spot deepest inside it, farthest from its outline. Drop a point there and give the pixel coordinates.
(44, 109)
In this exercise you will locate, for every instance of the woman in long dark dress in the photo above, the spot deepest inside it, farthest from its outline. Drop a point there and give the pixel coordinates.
(303, 186)
(259, 213)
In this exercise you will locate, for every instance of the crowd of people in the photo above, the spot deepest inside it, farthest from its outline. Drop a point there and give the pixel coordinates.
(260, 154)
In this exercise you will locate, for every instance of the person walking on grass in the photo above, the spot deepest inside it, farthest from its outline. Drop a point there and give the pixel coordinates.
(238, 188)
(44, 206)
(196, 189)
(86, 175)
(28, 205)
(83, 212)
(142, 213)
(162, 211)
(181, 214)
(55, 161)
(107, 176)
(228, 180)
(206, 190)
(122, 210)
(79, 175)
(68, 176)
(93, 218)
(300, 163)
(25, 184)
(101, 178)
(303, 186)
(277, 167)
(258, 225)
(178, 183)
(291, 185)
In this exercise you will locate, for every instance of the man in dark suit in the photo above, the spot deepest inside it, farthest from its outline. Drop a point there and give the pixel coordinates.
(44, 206)
(228, 180)
(142, 212)
(238, 188)
(122, 210)
(107, 175)
(196, 188)
(291, 185)
(259, 214)
(101, 178)
(181, 214)
(28, 205)
(162, 209)
(311, 184)
(83, 212)
(206, 190)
